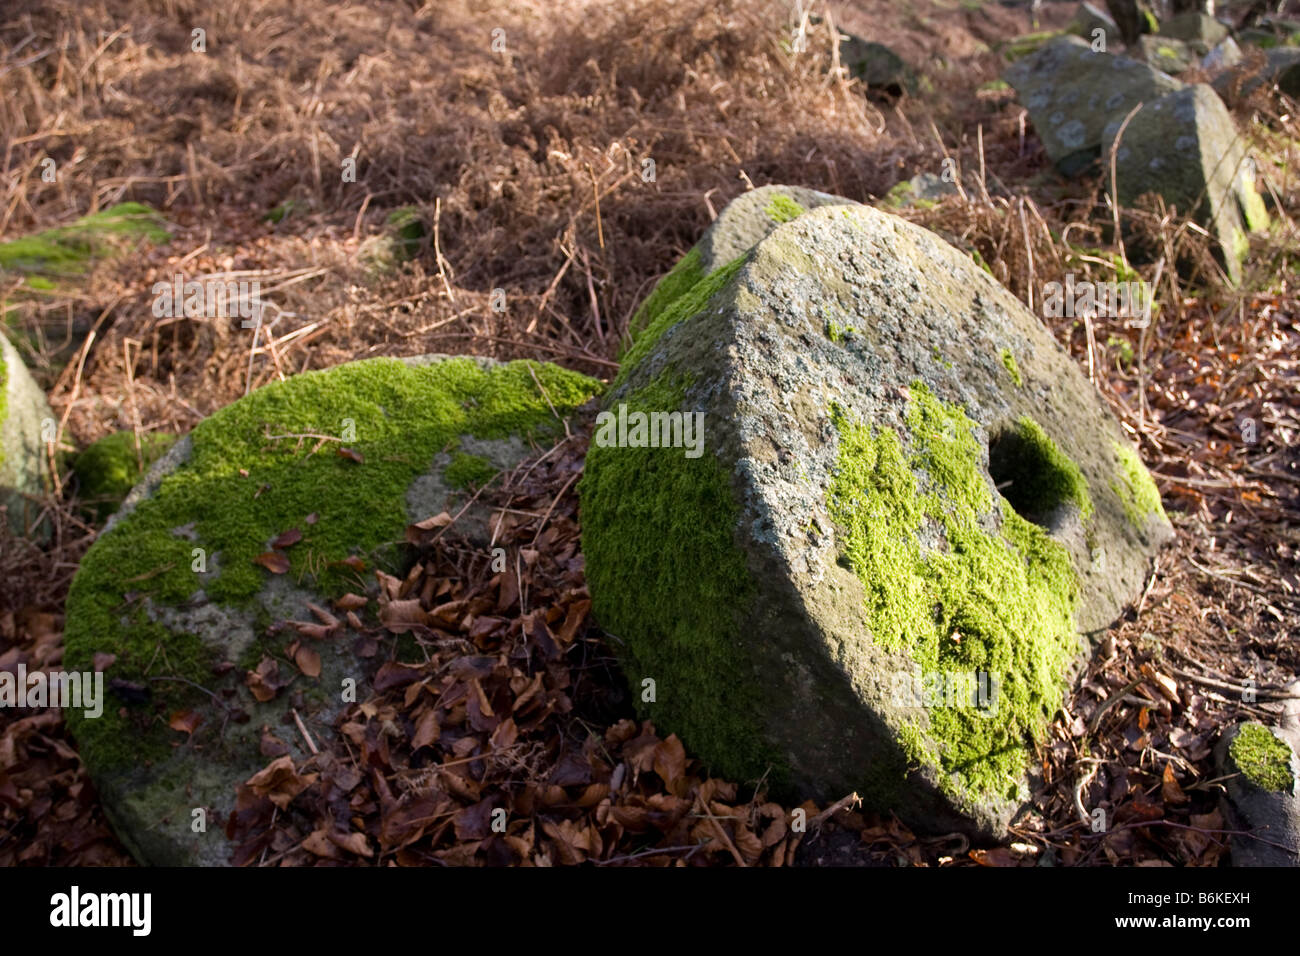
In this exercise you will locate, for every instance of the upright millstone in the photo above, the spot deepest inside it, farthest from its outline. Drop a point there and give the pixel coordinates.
(872, 569)
(24, 416)
(268, 510)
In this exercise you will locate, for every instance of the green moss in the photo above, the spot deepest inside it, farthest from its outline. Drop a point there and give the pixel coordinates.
(68, 250)
(979, 261)
(1265, 760)
(1039, 477)
(689, 303)
(1000, 602)
(1137, 491)
(1009, 363)
(679, 280)
(240, 489)
(838, 333)
(469, 470)
(673, 616)
(108, 470)
(783, 209)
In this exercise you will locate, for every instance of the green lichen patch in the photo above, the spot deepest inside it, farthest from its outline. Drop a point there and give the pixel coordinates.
(783, 209)
(689, 303)
(1034, 475)
(679, 280)
(249, 478)
(999, 602)
(1009, 363)
(1262, 758)
(108, 470)
(467, 471)
(68, 250)
(675, 621)
(838, 333)
(1136, 490)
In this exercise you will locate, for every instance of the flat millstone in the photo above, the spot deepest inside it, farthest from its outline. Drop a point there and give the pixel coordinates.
(763, 362)
(150, 799)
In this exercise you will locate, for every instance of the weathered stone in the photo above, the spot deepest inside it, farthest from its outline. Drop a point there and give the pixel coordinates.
(876, 65)
(174, 588)
(1261, 796)
(1089, 18)
(903, 472)
(1198, 30)
(1071, 93)
(1226, 54)
(24, 467)
(1185, 147)
(1167, 54)
(923, 189)
(742, 223)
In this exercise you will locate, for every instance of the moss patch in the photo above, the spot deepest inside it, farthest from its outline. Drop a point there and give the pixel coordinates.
(108, 470)
(995, 602)
(402, 416)
(67, 250)
(1262, 758)
(679, 280)
(674, 615)
(1009, 363)
(1137, 491)
(689, 303)
(1034, 475)
(468, 471)
(783, 209)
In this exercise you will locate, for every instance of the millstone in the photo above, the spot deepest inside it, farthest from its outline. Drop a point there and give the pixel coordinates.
(904, 492)
(174, 589)
(23, 464)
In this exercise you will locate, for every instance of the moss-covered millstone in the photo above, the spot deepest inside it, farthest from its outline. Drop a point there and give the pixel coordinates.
(173, 589)
(1071, 93)
(23, 460)
(1185, 147)
(901, 473)
(1259, 768)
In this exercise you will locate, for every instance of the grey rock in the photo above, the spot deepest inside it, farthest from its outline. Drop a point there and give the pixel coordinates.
(1270, 816)
(1185, 147)
(1200, 31)
(878, 66)
(1226, 54)
(1279, 67)
(24, 468)
(1090, 17)
(1167, 54)
(734, 580)
(1071, 93)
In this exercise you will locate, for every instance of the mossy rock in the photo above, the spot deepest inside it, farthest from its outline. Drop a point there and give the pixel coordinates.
(1185, 147)
(24, 465)
(173, 589)
(924, 191)
(879, 67)
(1200, 31)
(1261, 795)
(937, 490)
(1167, 54)
(742, 223)
(1071, 93)
(69, 250)
(108, 469)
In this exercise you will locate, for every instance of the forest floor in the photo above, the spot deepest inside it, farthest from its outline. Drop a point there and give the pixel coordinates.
(527, 167)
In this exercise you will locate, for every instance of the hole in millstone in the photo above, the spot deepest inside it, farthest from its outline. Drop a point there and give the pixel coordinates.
(1028, 469)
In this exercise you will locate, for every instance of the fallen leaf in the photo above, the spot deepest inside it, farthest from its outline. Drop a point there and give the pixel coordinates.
(352, 455)
(186, 721)
(274, 561)
(287, 539)
(308, 661)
